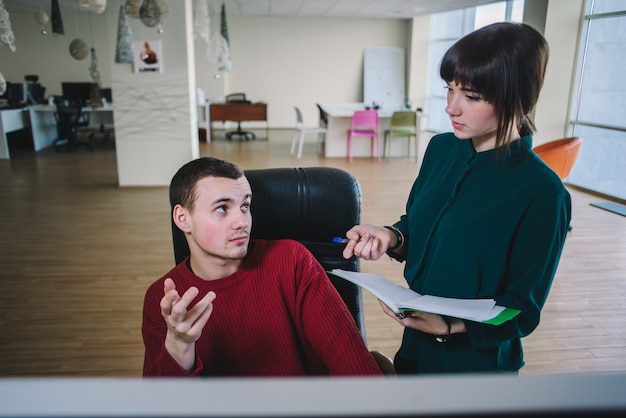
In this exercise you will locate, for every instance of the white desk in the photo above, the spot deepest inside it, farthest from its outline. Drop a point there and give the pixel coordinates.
(461, 396)
(40, 119)
(338, 117)
(10, 120)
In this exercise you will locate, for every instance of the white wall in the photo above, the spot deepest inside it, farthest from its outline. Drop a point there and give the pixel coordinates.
(298, 62)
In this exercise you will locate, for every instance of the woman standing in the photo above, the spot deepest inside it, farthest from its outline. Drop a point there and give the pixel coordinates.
(485, 218)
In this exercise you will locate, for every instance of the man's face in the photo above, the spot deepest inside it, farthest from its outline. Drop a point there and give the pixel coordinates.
(221, 221)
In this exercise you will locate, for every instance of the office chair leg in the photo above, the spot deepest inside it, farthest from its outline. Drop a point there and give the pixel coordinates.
(301, 145)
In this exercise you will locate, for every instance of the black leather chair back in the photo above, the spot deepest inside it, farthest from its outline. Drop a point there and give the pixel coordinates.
(311, 205)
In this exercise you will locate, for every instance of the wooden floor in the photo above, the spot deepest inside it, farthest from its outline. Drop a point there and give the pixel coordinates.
(77, 253)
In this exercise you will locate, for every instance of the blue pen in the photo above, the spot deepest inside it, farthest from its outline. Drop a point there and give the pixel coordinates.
(339, 240)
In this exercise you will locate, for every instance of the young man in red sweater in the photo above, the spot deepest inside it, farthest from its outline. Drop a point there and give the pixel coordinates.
(237, 307)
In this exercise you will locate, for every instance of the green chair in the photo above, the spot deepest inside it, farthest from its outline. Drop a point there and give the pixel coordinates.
(403, 124)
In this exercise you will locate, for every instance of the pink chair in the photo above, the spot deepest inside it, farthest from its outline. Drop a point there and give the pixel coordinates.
(365, 123)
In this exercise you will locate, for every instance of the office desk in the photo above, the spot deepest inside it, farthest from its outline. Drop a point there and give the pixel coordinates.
(236, 112)
(42, 123)
(337, 118)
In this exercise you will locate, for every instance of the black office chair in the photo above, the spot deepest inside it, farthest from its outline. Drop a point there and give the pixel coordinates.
(247, 135)
(70, 118)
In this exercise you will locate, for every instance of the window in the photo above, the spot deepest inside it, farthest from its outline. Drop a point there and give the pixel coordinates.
(598, 114)
(445, 29)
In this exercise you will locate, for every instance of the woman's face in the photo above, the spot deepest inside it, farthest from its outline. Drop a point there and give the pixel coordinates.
(472, 117)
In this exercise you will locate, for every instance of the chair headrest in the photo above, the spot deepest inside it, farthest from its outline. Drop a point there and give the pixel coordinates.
(306, 204)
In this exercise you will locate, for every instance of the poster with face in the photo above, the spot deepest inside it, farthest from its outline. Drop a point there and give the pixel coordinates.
(148, 57)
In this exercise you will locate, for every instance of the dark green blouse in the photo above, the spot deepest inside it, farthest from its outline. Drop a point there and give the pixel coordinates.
(479, 226)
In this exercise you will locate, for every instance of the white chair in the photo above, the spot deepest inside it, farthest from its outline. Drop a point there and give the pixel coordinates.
(301, 131)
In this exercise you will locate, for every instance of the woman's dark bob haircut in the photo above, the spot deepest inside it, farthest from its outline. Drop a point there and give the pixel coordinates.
(504, 63)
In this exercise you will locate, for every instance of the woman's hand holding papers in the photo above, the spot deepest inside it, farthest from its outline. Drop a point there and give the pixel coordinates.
(426, 322)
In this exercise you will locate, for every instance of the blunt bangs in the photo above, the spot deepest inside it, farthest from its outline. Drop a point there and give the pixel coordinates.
(479, 70)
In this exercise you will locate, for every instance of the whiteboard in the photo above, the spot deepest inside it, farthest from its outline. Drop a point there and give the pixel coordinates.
(384, 77)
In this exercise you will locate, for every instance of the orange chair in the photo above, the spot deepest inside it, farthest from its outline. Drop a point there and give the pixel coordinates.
(560, 155)
(365, 123)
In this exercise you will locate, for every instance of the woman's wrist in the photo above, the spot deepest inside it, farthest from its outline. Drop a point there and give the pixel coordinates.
(443, 337)
(398, 235)
(452, 326)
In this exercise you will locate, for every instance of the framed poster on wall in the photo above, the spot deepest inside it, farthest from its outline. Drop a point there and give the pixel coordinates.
(148, 57)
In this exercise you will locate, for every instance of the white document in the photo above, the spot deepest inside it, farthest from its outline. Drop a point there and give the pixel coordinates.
(400, 299)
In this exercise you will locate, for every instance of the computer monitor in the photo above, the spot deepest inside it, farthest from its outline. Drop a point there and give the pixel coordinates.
(24, 93)
(35, 93)
(15, 94)
(78, 90)
(106, 94)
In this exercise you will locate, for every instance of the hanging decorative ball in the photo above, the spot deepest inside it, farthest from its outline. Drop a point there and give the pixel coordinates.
(131, 8)
(94, 6)
(153, 12)
(42, 18)
(79, 49)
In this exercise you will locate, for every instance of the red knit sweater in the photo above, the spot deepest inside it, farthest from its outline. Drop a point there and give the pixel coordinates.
(278, 315)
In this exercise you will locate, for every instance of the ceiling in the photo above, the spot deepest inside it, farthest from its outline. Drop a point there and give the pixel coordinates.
(394, 9)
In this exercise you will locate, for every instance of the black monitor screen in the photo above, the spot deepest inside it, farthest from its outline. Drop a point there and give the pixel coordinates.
(35, 93)
(15, 93)
(77, 90)
(106, 94)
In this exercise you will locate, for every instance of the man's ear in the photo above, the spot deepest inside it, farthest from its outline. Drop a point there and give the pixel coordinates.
(181, 218)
